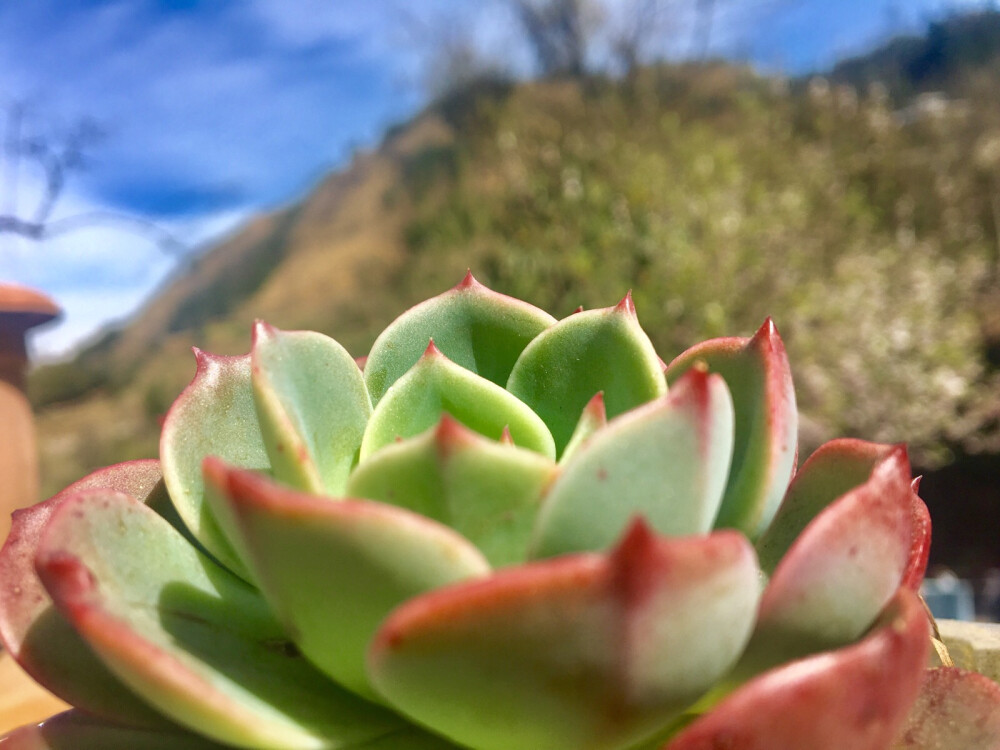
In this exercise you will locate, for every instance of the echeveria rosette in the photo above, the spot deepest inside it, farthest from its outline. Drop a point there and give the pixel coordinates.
(504, 532)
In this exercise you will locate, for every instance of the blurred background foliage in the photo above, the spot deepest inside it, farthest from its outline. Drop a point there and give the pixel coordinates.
(721, 197)
(859, 209)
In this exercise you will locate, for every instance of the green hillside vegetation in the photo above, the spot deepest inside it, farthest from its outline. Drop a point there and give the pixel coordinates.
(869, 232)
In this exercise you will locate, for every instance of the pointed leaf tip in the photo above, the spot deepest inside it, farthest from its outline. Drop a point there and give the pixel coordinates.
(629, 559)
(768, 328)
(261, 332)
(915, 484)
(451, 435)
(626, 305)
(505, 437)
(432, 350)
(596, 409)
(468, 281)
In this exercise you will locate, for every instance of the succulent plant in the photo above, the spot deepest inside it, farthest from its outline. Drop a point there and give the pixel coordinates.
(504, 532)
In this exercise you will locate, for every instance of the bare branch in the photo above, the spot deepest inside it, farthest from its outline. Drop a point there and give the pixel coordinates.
(57, 159)
(35, 230)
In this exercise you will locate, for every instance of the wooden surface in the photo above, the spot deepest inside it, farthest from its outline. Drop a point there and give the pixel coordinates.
(22, 701)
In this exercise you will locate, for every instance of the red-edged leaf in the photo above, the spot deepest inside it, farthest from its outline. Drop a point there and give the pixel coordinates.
(760, 380)
(956, 710)
(920, 540)
(333, 570)
(665, 461)
(843, 568)
(215, 415)
(36, 634)
(852, 699)
(192, 639)
(588, 650)
(835, 468)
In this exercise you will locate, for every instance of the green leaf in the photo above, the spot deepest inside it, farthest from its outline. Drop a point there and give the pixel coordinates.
(766, 430)
(312, 406)
(333, 571)
(188, 637)
(214, 416)
(588, 650)
(32, 629)
(436, 385)
(833, 470)
(666, 461)
(476, 328)
(597, 350)
(487, 491)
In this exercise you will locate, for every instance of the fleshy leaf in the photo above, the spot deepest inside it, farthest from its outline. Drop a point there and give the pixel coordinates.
(760, 380)
(477, 328)
(436, 385)
(839, 574)
(666, 461)
(593, 418)
(920, 540)
(333, 571)
(597, 350)
(852, 699)
(833, 470)
(37, 635)
(214, 416)
(76, 730)
(588, 650)
(190, 638)
(312, 406)
(955, 709)
(487, 491)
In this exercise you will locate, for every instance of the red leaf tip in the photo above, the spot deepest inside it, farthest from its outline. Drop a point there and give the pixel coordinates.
(626, 305)
(767, 336)
(468, 281)
(451, 435)
(505, 437)
(432, 350)
(692, 387)
(596, 409)
(261, 330)
(630, 560)
(915, 484)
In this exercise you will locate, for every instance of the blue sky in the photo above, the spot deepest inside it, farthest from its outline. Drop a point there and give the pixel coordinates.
(214, 109)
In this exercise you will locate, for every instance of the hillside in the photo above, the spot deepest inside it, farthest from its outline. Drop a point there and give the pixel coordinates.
(325, 263)
(870, 234)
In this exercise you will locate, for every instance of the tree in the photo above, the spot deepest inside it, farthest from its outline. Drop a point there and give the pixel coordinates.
(640, 26)
(559, 33)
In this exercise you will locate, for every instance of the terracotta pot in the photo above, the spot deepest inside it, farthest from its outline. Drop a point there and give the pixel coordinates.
(20, 310)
